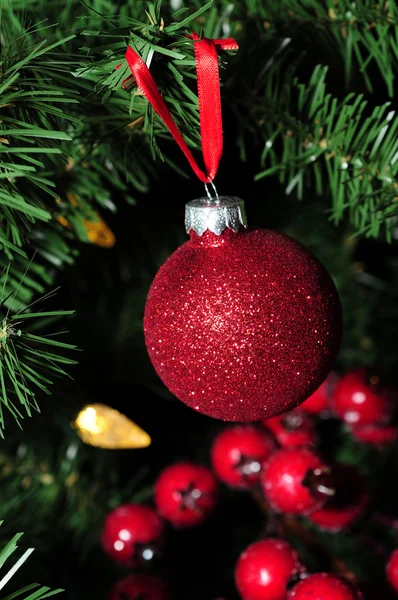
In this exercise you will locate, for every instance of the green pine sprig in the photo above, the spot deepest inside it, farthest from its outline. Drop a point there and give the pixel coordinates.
(334, 145)
(28, 361)
(33, 591)
(363, 34)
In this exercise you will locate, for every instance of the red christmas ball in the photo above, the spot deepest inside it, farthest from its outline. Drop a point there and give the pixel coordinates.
(139, 587)
(323, 586)
(293, 429)
(238, 453)
(348, 502)
(374, 435)
(296, 481)
(392, 570)
(264, 570)
(244, 325)
(319, 402)
(185, 494)
(359, 399)
(131, 533)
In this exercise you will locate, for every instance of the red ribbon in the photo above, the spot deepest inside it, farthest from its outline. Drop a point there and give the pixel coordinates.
(209, 101)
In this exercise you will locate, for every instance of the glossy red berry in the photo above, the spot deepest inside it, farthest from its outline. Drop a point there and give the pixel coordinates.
(296, 481)
(265, 568)
(323, 586)
(185, 494)
(374, 435)
(319, 402)
(347, 504)
(132, 533)
(139, 587)
(392, 570)
(292, 429)
(359, 399)
(238, 453)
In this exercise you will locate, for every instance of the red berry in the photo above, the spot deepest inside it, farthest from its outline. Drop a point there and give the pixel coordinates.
(347, 504)
(296, 481)
(292, 429)
(265, 568)
(185, 494)
(374, 435)
(323, 586)
(360, 400)
(238, 453)
(131, 532)
(318, 403)
(139, 587)
(392, 570)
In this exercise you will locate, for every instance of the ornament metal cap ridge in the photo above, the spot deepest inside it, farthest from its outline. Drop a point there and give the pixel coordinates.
(215, 215)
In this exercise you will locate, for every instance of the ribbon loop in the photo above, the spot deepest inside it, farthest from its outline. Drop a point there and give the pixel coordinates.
(209, 101)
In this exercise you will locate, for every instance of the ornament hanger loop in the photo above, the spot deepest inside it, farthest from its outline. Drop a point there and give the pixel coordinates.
(210, 197)
(209, 99)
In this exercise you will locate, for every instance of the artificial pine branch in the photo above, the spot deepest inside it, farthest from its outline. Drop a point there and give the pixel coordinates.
(49, 153)
(363, 33)
(336, 144)
(28, 362)
(10, 550)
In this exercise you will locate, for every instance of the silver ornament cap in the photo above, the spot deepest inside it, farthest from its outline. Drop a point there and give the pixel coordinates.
(215, 215)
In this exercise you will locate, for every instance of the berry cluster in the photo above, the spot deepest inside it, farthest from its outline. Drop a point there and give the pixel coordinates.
(133, 535)
(365, 405)
(280, 458)
(271, 570)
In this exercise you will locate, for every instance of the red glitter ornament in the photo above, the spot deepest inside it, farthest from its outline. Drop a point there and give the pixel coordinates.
(359, 399)
(241, 325)
(238, 453)
(347, 504)
(392, 570)
(323, 586)
(265, 568)
(293, 429)
(139, 587)
(296, 481)
(319, 402)
(132, 533)
(374, 435)
(185, 494)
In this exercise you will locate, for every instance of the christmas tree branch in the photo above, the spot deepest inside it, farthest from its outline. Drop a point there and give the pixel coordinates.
(37, 592)
(27, 361)
(53, 168)
(363, 33)
(30, 137)
(312, 135)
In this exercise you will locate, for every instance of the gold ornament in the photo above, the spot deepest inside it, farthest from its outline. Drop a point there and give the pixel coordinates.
(104, 427)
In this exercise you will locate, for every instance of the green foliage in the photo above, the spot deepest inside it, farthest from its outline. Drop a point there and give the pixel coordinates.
(31, 136)
(157, 42)
(52, 158)
(27, 360)
(363, 33)
(38, 592)
(341, 144)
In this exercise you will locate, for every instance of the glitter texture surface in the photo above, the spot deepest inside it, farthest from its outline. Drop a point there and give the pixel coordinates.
(242, 326)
